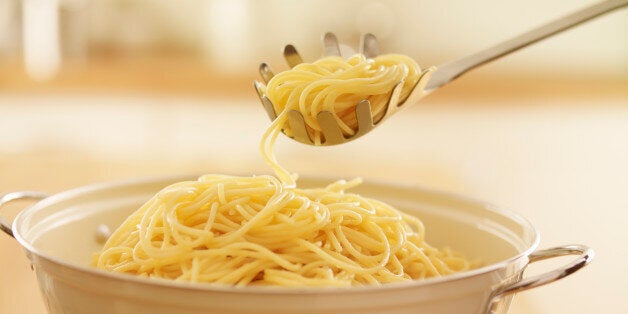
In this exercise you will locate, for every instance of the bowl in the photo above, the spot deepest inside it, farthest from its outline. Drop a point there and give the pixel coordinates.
(59, 234)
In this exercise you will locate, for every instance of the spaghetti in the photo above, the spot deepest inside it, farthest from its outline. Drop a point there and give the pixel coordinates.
(263, 230)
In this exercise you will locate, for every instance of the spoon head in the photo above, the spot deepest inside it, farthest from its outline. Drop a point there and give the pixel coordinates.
(331, 132)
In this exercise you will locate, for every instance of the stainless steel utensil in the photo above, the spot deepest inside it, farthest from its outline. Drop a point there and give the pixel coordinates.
(430, 80)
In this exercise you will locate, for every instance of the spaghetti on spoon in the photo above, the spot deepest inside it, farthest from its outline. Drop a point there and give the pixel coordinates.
(335, 100)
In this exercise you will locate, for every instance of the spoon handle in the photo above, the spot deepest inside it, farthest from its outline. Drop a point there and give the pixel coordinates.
(451, 70)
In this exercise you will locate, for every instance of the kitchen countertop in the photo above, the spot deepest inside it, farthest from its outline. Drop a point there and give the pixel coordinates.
(560, 161)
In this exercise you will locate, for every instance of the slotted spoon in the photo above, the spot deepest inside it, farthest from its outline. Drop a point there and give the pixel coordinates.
(430, 79)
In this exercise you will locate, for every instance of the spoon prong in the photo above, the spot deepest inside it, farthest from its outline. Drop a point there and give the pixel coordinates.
(364, 117)
(297, 125)
(418, 91)
(266, 103)
(369, 46)
(330, 128)
(266, 72)
(393, 101)
(330, 42)
(292, 56)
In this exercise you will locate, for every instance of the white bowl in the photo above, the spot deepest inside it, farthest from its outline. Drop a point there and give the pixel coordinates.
(59, 236)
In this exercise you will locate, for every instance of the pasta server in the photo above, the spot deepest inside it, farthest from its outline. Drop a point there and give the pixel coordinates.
(431, 79)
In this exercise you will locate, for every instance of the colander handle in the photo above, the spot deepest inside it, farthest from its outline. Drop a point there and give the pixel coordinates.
(14, 196)
(584, 253)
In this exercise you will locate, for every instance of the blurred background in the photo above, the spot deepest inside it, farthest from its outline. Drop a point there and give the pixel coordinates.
(95, 90)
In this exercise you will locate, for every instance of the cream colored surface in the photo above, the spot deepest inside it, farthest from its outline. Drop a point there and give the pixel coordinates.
(233, 35)
(558, 161)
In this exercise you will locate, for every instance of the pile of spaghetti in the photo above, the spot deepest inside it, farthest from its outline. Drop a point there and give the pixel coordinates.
(264, 230)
